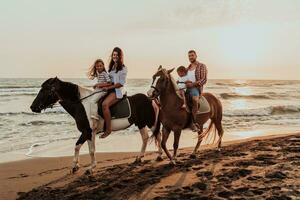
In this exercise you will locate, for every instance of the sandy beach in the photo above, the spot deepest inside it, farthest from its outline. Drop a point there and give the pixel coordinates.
(260, 168)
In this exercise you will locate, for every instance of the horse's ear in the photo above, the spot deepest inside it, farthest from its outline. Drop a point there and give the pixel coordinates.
(53, 80)
(170, 70)
(159, 68)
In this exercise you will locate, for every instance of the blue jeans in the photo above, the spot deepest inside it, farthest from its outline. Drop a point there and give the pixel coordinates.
(193, 92)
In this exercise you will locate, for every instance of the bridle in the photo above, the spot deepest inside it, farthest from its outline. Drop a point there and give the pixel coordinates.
(153, 86)
(53, 92)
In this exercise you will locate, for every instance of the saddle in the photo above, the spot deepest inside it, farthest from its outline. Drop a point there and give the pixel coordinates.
(204, 106)
(119, 110)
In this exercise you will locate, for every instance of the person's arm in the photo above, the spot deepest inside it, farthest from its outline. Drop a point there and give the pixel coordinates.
(189, 84)
(202, 76)
(102, 85)
(106, 83)
(121, 82)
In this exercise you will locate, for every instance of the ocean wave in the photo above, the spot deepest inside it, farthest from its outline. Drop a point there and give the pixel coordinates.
(53, 111)
(266, 111)
(256, 83)
(17, 94)
(18, 86)
(237, 96)
(41, 122)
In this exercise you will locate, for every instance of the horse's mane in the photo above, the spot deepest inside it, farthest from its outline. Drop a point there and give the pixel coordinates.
(69, 90)
(175, 86)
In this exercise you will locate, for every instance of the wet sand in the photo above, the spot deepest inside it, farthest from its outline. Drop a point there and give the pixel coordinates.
(257, 168)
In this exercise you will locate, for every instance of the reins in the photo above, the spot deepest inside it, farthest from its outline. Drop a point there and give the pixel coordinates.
(79, 100)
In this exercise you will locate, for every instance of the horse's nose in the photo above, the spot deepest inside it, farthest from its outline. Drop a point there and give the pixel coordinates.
(34, 109)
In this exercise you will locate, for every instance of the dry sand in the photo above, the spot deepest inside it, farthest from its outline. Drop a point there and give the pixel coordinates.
(257, 168)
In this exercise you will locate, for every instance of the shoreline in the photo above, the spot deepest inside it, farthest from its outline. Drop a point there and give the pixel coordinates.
(41, 173)
(64, 148)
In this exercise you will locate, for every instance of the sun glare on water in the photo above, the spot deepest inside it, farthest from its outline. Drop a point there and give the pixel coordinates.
(245, 91)
(241, 103)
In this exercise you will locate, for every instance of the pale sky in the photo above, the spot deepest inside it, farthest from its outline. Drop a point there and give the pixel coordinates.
(246, 39)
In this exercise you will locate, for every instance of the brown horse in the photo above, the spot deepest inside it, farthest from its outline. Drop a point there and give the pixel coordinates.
(175, 118)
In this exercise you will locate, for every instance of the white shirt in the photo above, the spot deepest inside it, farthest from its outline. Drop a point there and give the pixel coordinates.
(119, 77)
(191, 75)
(181, 81)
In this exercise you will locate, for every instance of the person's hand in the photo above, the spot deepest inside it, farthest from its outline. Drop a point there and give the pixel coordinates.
(189, 84)
(105, 88)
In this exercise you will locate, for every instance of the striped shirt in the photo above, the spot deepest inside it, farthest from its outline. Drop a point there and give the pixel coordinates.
(103, 77)
(201, 74)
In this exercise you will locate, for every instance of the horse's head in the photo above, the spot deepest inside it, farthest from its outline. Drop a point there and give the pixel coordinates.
(47, 95)
(160, 81)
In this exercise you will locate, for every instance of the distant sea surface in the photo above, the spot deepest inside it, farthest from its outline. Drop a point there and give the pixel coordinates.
(250, 107)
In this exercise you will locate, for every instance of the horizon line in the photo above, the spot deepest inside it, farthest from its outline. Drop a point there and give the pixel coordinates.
(267, 79)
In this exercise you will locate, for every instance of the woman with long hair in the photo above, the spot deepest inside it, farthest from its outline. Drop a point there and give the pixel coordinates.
(118, 73)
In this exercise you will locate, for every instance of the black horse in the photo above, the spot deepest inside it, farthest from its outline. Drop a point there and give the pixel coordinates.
(140, 110)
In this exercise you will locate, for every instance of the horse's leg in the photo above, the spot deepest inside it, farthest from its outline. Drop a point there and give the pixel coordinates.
(193, 155)
(165, 136)
(220, 130)
(160, 151)
(75, 165)
(177, 134)
(92, 146)
(79, 143)
(145, 137)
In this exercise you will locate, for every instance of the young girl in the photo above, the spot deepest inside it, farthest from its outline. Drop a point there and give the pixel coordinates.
(98, 71)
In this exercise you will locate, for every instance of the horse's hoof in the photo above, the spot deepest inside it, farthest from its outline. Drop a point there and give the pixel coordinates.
(172, 162)
(74, 169)
(159, 158)
(193, 156)
(138, 161)
(88, 172)
(219, 149)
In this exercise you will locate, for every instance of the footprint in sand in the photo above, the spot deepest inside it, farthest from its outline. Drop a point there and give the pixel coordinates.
(276, 175)
(205, 174)
(234, 174)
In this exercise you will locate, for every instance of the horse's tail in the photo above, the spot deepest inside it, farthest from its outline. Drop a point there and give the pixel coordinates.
(211, 127)
(216, 119)
(156, 131)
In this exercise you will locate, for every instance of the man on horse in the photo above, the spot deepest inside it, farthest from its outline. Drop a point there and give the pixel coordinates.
(197, 73)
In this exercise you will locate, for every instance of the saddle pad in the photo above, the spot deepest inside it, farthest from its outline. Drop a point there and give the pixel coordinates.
(203, 105)
(120, 110)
